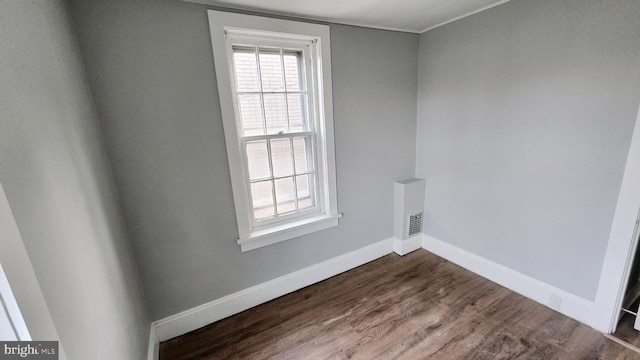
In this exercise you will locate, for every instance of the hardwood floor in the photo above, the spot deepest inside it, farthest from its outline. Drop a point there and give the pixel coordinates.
(414, 307)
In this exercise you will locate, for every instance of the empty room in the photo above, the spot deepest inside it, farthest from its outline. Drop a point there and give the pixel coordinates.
(367, 179)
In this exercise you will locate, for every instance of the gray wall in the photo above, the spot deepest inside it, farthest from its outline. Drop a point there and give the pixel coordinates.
(152, 74)
(525, 116)
(55, 174)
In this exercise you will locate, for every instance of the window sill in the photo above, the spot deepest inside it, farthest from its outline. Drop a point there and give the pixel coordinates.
(261, 238)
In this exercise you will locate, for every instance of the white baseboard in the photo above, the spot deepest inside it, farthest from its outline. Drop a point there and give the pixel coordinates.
(571, 305)
(213, 311)
(403, 247)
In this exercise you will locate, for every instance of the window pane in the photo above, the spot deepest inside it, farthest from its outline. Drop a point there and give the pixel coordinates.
(302, 153)
(262, 196)
(296, 104)
(281, 157)
(271, 72)
(251, 114)
(246, 71)
(275, 112)
(292, 71)
(258, 160)
(306, 194)
(285, 195)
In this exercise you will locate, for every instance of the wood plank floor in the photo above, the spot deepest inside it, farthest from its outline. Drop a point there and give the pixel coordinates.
(414, 307)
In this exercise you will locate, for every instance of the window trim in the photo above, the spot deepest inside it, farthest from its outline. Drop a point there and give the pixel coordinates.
(251, 237)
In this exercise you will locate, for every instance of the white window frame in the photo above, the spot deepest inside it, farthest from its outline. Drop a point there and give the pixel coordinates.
(225, 27)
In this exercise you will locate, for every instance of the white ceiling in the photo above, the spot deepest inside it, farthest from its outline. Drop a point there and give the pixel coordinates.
(405, 15)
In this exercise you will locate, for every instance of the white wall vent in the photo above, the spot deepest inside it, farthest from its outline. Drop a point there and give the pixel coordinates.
(408, 208)
(415, 224)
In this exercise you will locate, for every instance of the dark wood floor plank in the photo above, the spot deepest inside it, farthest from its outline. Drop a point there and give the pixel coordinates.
(418, 306)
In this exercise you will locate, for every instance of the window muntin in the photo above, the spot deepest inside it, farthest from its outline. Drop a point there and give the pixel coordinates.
(276, 130)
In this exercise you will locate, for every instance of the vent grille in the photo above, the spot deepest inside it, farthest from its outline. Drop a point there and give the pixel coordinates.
(415, 224)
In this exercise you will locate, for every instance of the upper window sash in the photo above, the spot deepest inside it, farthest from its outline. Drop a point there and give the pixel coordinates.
(248, 85)
(307, 71)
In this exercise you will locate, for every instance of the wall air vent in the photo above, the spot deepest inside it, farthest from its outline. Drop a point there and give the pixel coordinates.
(408, 207)
(415, 224)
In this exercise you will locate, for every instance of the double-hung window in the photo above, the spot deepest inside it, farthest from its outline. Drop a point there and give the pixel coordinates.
(274, 83)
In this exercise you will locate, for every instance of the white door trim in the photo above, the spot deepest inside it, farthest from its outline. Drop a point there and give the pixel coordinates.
(621, 245)
(9, 305)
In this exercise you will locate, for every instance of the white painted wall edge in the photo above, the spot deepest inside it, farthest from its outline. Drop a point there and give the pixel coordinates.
(403, 247)
(22, 278)
(572, 306)
(154, 344)
(622, 242)
(208, 313)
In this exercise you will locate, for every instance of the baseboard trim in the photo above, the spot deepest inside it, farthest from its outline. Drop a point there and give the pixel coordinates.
(572, 306)
(403, 247)
(213, 311)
